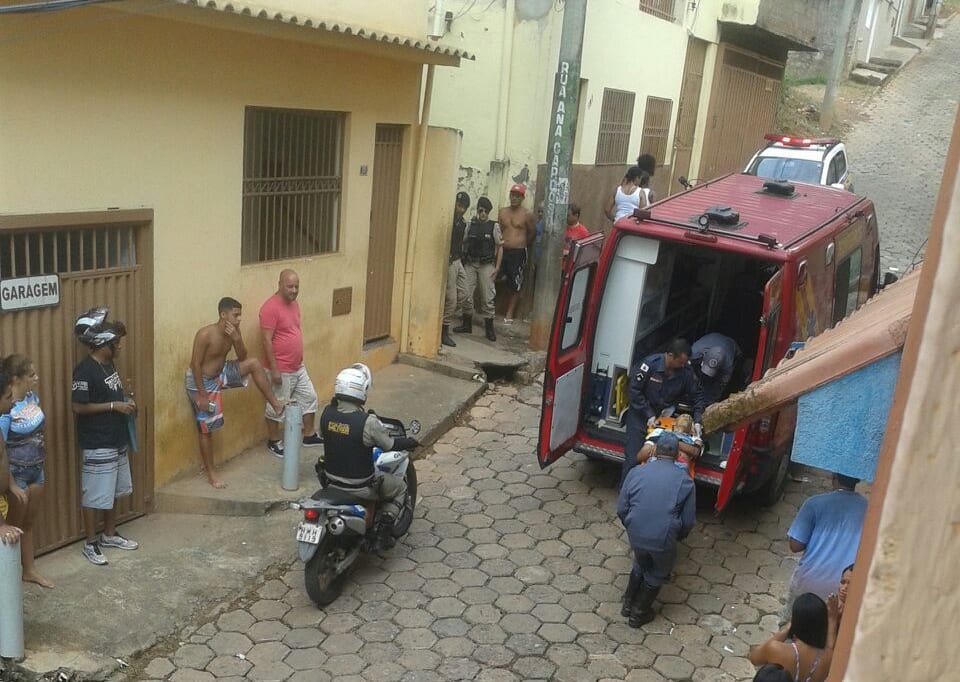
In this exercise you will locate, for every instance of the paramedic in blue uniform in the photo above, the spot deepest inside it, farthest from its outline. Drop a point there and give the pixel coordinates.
(660, 381)
(714, 356)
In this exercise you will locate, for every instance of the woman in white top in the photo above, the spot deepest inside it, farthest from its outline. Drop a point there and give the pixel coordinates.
(628, 196)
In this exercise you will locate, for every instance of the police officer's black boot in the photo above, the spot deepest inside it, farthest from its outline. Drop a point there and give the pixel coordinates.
(445, 337)
(488, 324)
(466, 327)
(642, 611)
(630, 594)
(385, 540)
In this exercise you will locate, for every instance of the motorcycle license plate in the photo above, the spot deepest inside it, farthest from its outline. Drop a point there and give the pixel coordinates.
(309, 532)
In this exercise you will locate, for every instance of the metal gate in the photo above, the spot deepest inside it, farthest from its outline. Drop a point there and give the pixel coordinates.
(743, 106)
(99, 262)
(381, 254)
(688, 110)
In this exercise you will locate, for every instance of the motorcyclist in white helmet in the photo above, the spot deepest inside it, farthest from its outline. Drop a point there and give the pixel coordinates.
(349, 434)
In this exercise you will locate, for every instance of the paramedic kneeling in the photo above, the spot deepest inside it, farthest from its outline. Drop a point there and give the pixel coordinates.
(660, 381)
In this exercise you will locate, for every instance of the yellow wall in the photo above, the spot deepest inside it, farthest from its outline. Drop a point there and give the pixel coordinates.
(103, 109)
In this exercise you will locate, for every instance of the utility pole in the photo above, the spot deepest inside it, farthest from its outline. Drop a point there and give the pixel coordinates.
(563, 130)
(840, 41)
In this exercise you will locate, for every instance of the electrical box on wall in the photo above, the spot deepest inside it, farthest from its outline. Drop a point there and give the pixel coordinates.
(342, 301)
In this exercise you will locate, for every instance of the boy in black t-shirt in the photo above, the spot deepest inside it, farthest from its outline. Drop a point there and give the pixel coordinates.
(101, 409)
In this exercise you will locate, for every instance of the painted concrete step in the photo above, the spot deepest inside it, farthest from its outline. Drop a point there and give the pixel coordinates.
(873, 66)
(868, 76)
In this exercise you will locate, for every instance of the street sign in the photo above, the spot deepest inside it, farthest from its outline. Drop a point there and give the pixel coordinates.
(23, 293)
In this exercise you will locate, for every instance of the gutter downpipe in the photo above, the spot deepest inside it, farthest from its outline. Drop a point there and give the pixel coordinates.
(413, 230)
(506, 57)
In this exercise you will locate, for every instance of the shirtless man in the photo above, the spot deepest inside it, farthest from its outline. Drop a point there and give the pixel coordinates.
(209, 360)
(519, 230)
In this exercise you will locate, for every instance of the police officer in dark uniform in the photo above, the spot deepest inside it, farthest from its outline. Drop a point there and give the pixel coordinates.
(349, 434)
(482, 254)
(660, 381)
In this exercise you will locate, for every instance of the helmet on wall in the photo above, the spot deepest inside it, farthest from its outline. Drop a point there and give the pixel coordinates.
(353, 383)
(93, 318)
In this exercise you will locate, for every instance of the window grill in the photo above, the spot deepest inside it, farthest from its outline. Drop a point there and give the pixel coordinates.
(664, 9)
(68, 251)
(616, 119)
(656, 128)
(292, 182)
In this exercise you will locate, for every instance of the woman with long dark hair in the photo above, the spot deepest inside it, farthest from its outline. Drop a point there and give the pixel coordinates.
(805, 644)
(22, 430)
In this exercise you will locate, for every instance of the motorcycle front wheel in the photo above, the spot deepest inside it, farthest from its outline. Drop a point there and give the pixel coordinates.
(320, 577)
(402, 524)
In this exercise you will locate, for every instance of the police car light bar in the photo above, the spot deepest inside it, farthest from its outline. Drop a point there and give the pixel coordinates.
(800, 141)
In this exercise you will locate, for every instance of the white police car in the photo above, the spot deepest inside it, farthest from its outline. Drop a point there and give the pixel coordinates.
(814, 160)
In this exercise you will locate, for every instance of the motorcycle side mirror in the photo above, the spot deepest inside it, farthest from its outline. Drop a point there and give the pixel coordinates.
(414, 427)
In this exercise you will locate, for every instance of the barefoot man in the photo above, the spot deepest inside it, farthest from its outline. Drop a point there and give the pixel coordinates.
(519, 229)
(209, 361)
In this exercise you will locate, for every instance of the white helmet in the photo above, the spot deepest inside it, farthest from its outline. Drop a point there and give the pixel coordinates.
(353, 383)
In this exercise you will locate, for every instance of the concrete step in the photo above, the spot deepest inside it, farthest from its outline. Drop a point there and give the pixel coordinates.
(887, 62)
(253, 477)
(868, 76)
(911, 42)
(873, 66)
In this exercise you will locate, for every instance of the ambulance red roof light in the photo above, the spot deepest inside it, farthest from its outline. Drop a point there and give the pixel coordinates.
(800, 141)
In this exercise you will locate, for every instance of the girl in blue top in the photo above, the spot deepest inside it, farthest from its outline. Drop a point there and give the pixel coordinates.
(22, 429)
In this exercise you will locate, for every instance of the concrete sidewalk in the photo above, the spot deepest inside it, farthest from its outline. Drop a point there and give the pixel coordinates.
(188, 561)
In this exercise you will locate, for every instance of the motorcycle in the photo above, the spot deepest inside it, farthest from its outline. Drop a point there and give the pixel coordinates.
(335, 529)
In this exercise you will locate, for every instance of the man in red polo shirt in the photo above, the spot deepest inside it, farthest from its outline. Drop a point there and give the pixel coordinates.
(283, 350)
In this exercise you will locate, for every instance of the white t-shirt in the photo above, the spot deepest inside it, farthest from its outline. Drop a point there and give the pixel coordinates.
(624, 204)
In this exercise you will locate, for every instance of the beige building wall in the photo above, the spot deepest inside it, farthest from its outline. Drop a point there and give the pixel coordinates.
(150, 114)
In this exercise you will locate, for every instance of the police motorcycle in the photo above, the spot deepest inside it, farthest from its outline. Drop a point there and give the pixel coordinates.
(336, 529)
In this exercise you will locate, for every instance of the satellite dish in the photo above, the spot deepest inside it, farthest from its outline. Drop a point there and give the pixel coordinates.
(533, 9)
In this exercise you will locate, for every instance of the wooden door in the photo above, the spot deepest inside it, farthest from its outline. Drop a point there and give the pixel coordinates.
(97, 265)
(688, 111)
(381, 254)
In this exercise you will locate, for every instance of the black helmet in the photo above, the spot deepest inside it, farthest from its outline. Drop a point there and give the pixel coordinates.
(91, 319)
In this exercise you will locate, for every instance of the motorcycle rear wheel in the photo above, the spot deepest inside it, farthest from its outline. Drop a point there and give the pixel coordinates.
(322, 582)
(402, 524)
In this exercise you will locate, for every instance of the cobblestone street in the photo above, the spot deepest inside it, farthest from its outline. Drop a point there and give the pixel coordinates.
(509, 573)
(897, 154)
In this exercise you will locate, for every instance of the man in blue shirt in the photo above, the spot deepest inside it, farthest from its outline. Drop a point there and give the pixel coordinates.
(827, 531)
(661, 380)
(658, 507)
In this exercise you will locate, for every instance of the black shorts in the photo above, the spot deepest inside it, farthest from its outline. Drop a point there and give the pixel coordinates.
(512, 265)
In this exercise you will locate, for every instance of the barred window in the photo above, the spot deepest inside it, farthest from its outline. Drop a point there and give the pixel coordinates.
(67, 251)
(656, 128)
(616, 118)
(292, 180)
(659, 8)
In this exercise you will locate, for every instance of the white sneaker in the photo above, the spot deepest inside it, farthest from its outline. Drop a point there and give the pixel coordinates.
(91, 550)
(118, 542)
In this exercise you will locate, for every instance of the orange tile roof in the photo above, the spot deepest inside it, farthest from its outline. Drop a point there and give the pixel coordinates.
(876, 330)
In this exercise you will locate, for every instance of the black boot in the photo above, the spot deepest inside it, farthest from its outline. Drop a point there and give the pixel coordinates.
(466, 327)
(488, 324)
(642, 611)
(385, 539)
(445, 337)
(629, 595)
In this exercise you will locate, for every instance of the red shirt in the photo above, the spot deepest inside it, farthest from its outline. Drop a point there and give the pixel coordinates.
(284, 319)
(571, 234)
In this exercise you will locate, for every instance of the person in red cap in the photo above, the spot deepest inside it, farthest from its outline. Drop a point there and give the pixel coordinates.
(519, 230)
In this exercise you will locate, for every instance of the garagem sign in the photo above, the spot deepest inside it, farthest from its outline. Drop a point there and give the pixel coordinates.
(29, 292)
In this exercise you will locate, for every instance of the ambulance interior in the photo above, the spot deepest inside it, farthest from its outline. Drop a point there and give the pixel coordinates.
(659, 290)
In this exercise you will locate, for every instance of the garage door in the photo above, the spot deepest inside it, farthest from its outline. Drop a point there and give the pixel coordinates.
(99, 260)
(743, 107)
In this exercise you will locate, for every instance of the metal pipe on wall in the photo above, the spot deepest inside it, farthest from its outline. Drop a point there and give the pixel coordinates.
(292, 439)
(412, 230)
(11, 597)
(506, 57)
